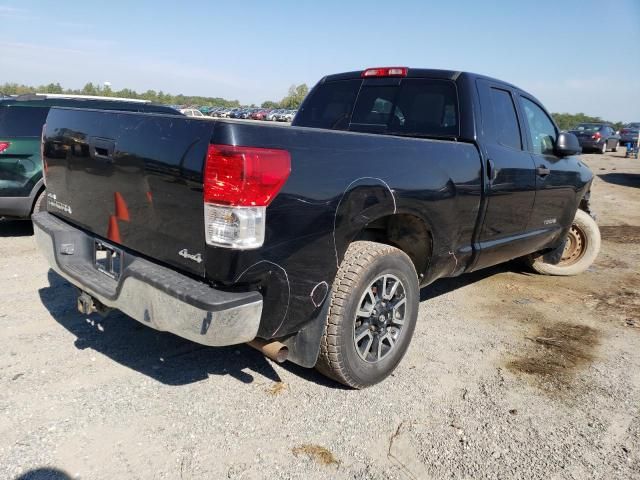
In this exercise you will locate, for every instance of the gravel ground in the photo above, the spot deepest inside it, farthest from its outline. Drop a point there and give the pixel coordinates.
(510, 375)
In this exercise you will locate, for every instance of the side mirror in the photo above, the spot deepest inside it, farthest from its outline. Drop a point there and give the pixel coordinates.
(567, 144)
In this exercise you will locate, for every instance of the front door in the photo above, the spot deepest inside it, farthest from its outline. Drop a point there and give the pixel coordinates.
(556, 177)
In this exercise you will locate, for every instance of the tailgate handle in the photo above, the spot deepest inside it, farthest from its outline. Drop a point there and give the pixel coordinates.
(102, 148)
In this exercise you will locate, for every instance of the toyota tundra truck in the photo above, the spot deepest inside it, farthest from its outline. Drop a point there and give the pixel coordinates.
(311, 241)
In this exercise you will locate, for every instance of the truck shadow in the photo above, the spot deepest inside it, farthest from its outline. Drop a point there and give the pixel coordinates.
(162, 356)
(44, 473)
(15, 228)
(624, 179)
(172, 360)
(446, 285)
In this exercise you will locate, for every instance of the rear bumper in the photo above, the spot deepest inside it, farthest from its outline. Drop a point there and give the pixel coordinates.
(591, 144)
(156, 296)
(19, 207)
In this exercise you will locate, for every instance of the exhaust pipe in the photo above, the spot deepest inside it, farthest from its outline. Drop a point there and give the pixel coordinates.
(276, 351)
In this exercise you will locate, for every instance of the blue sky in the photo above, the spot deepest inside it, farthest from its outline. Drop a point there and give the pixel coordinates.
(573, 55)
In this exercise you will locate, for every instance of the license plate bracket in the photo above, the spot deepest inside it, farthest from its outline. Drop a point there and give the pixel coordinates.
(107, 259)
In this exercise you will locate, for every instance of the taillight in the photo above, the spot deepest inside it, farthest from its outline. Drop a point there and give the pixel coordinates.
(239, 183)
(385, 72)
(596, 136)
(4, 146)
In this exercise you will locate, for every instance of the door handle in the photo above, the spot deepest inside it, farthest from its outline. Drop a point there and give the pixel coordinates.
(542, 171)
(102, 148)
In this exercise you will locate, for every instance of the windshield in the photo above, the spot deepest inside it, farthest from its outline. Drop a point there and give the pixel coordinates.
(588, 127)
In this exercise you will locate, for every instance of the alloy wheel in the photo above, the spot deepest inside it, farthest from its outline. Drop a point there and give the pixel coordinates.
(380, 318)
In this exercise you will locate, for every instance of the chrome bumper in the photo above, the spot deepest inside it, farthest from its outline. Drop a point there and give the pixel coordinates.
(156, 296)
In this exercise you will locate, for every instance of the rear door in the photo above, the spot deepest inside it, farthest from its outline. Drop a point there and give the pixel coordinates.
(510, 177)
(134, 179)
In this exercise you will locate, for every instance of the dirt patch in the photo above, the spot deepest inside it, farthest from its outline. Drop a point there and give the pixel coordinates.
(623, 300)
(557, 351)
(620, 233)
(316, 453)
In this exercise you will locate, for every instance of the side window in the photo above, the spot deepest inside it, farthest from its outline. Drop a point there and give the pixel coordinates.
(542, 133)
(507, 129)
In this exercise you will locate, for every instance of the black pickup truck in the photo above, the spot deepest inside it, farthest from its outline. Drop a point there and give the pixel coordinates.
(311, 241)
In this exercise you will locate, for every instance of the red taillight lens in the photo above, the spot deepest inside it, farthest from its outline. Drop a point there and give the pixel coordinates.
(596, 136)
(385, 72)
(4, 146)
(244, 176)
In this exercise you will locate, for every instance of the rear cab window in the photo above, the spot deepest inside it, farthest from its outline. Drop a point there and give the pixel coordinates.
(18, 121)
(417, 107)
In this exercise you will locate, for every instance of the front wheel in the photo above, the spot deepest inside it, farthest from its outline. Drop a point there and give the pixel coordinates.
(372, 315)
(580, 250)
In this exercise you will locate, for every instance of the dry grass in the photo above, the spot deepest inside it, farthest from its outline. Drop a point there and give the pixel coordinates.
(316, 453)
(277, 388)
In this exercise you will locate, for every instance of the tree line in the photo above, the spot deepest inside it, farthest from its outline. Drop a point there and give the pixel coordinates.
(292, 100)
(566, 121)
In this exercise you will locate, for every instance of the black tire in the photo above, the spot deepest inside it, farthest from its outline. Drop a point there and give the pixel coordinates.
(615, 149)
(586, 230)
(363, 264)
(38, 205)
(603, 149)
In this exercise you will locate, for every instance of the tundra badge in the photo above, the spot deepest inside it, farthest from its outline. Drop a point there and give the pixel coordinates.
(52, 201)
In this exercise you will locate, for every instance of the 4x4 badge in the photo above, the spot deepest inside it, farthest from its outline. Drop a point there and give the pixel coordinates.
(196, 257)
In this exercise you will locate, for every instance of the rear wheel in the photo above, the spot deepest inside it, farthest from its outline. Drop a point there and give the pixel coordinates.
(372, 315)
(603, 149)
(580, 250)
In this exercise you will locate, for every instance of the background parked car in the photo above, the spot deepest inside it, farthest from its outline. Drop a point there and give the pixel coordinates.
(259, 114)
(597, 136)
(273, 114)
(21, 120)
(286, 116)
(629, 133)
(191, 112)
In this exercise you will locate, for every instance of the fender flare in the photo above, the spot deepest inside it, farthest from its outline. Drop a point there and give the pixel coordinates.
(365, 199)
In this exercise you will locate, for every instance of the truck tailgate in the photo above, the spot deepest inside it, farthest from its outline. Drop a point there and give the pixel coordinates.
(134, 179)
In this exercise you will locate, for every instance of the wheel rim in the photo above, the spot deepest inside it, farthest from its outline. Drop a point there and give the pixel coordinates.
(380, 318)
(575, 247)
(604, 147)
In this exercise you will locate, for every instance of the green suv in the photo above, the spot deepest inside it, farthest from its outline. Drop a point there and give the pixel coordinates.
(21, 121)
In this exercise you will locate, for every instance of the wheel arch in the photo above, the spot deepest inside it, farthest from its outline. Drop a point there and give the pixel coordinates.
(369, 210)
